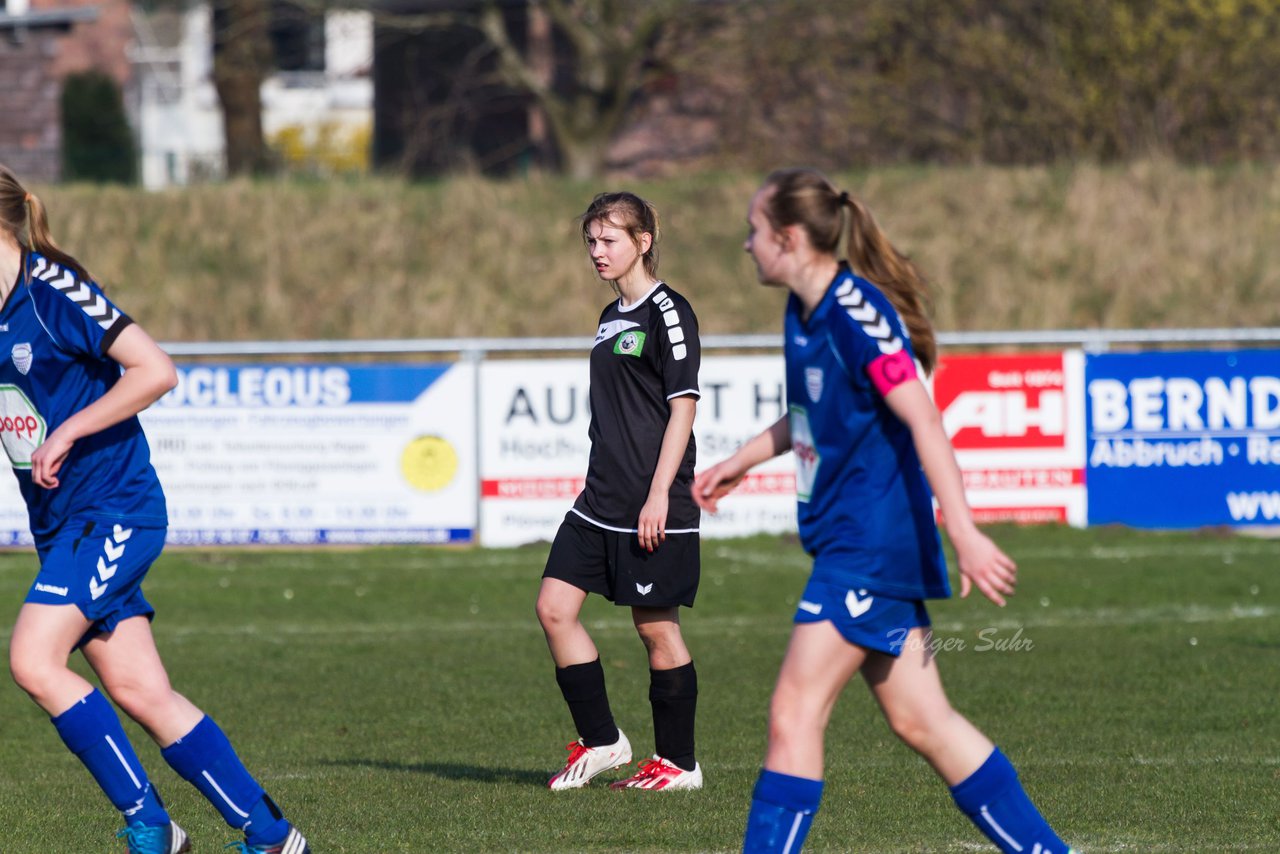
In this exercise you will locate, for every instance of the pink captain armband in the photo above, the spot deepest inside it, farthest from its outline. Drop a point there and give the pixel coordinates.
(889, 372)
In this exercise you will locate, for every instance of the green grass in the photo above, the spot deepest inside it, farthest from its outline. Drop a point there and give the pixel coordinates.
(403, 700)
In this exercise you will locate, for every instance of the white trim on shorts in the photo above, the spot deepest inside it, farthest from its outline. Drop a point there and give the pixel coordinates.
(628, 530)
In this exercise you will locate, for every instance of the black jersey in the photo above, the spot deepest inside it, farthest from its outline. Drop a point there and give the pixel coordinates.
(644, 355)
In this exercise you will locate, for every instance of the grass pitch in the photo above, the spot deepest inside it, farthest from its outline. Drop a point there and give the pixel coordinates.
(402, 700)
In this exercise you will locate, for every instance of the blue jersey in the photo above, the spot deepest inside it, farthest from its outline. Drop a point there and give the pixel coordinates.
(865, 509)
(55, 329)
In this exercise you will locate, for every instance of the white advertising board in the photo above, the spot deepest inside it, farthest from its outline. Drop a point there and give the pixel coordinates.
(534, 447)
(1016, 422)
(299, 454)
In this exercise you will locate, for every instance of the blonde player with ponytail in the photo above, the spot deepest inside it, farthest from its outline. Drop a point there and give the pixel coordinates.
(75, 374)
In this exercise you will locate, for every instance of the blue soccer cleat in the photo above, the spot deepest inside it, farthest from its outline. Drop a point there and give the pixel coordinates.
(294, 843)
(155, 839)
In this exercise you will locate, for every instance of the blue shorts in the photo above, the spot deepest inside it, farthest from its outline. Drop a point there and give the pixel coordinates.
(97, 567)
(871, 622)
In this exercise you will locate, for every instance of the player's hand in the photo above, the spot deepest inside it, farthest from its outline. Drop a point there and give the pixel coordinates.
(982, 563)
(48, 459)
(715, 483)
(652, 526)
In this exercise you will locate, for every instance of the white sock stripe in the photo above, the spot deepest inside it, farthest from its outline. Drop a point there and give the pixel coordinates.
(230, 803)
(176, 837)
(120, 756)
(1013, 843)
(294, 844)
(1037, 849)
(795, 829)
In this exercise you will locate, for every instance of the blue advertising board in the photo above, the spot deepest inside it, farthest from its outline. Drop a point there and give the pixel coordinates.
(1183, 439)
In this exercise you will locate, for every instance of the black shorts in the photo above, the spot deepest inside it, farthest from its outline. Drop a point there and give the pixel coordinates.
(612, 564)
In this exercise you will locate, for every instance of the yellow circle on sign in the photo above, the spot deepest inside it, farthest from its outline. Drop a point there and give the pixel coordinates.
(429, 463)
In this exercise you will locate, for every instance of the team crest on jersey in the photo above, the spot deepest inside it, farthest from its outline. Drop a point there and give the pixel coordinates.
(629, 344)
(813, 383)
(22, 357)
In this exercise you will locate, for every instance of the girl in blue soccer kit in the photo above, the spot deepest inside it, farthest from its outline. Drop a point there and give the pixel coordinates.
(77, 373)
(869, 445)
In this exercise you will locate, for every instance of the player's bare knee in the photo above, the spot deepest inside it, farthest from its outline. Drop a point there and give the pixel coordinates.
(24, 674)
(664, 645)
(658, 636)
(916, 728)
(553, 615)
(32, 674)
(141, 701)
(791, 728)
(790, 713)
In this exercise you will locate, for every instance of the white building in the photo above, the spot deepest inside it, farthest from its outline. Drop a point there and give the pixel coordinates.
(325, 96)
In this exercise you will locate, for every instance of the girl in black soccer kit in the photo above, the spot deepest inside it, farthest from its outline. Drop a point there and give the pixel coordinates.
(632, 535)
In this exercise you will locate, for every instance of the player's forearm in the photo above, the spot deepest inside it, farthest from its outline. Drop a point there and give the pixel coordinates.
(765, 445)
(938, 460)
(675, 440)
(137, 388)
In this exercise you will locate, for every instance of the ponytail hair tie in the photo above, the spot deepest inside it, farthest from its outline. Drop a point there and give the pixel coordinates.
(844, 197)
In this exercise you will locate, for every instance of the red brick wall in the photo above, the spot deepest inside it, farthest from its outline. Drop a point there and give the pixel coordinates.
(30, 138)
(97, 45)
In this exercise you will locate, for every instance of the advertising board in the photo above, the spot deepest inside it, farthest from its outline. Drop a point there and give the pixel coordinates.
(316, 453)
(534, 447)
(1184, 439)
(1017, 424)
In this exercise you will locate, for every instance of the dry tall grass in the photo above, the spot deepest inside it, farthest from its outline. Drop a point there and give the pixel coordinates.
(1146, 245)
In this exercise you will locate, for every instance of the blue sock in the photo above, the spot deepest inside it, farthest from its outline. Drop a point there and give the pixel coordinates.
(993, 800)
(782, 809)
(91, 730)
(205, 759)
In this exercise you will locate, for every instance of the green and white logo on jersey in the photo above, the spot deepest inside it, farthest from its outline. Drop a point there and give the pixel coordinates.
(806, 453)
(22, 427)
(630, 344)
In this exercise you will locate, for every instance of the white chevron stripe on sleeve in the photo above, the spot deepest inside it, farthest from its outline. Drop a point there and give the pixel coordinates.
(869, 318)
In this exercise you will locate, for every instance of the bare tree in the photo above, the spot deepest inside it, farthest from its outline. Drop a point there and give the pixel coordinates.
(583, 62)
(241, 61)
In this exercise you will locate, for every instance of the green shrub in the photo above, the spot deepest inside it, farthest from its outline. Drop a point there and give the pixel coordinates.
(97, 144)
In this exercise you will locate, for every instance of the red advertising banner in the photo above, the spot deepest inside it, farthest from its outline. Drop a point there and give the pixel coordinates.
(1017, 424)
(1012, 401)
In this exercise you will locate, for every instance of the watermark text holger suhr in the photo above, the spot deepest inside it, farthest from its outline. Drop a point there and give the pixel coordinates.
(990, 639)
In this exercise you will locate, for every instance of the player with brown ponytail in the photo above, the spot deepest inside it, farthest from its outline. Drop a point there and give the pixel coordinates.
(871, 455)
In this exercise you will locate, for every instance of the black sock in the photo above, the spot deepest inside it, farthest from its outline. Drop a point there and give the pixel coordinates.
(674, 697)
(583, 688)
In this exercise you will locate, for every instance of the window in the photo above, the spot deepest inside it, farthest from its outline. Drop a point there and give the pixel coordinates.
(297, 37)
